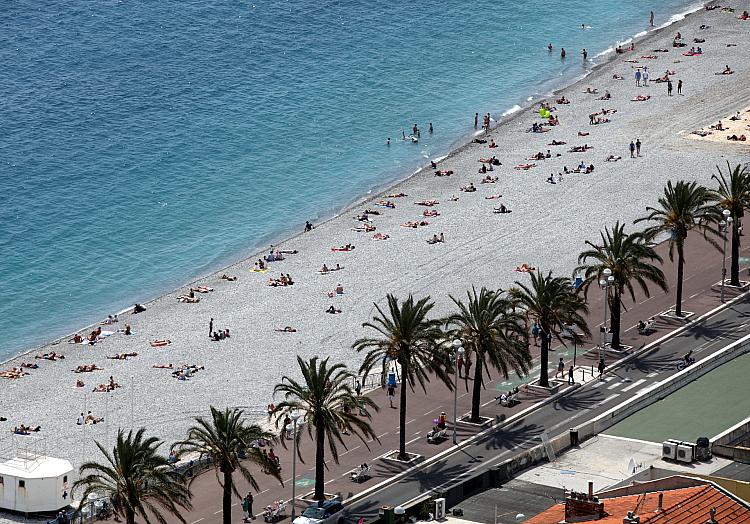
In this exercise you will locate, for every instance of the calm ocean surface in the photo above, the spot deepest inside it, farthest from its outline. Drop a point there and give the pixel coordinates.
(146, 143)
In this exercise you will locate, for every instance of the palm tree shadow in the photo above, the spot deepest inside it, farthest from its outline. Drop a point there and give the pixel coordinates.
(583, 399)
(513, 436)
(653, 363)
(711, 330)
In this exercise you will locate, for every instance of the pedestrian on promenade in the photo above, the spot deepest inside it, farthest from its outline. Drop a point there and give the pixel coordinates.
(637, 78)
(358, 388)
(638, 147)
(535, 333)
(247, 506)
(210, 327)
(570, 375)
(600, 367)
(460, 365)
(669, 88)
(632, 149)
(391, 395)
(560, 369)
(679, 87)
(286, 430)
(468, 365)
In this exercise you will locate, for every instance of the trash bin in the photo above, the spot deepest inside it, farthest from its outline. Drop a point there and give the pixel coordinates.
(573, 437)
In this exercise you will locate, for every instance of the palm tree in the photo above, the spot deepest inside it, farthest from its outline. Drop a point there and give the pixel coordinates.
(684, 206)
(225, 439)
(136, 479)
(552, 303)
(414, 342)
(734, 194)
(321, 397)
(629, 257)
(494, 333)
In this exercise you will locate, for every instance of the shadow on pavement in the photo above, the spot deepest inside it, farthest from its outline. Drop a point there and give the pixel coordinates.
(584, 399)
(515, 435)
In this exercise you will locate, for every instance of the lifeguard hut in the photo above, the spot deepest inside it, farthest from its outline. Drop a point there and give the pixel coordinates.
(30, 480)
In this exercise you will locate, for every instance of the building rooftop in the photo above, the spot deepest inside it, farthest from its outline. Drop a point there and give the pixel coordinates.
(691, 505)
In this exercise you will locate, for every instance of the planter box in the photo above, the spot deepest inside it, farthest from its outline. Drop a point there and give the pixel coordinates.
(308, 497)
(553, 388)
(483, 421)
(412, 458)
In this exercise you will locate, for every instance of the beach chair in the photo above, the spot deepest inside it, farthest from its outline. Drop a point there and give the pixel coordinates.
(434, 437)
(360, 474)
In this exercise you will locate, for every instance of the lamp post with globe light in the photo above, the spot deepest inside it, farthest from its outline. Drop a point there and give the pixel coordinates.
(459, 351)
(725, 225)
(294, 415)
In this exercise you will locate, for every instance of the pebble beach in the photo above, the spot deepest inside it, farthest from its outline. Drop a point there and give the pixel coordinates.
(546, 229)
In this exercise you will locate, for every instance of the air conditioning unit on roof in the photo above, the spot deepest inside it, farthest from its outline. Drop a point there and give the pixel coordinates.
(686, 452)
(669, 449)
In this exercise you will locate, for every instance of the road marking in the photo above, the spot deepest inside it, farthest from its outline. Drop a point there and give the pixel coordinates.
(413, 440)
(436, 409)
(608, 399)
(634, 385)
(412, 420)
(652, 375)
(349, 451)
(462, 396)
(615, 385)
(196, 521)
(217, 512)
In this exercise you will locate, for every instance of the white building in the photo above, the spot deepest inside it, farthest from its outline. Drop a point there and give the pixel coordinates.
(30, 481)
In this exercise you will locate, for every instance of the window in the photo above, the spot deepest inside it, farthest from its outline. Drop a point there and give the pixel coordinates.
(21, 483)
(2, 481)
(65, 479)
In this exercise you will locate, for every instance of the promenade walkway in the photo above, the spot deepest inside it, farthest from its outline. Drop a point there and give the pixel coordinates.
(702, 271)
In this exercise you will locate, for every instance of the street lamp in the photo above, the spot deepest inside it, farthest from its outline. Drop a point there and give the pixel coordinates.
(294, 415)
(459, 351)
(605, 282)
(725, 225)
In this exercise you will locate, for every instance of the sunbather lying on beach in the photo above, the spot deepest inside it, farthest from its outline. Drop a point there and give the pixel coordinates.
(701, 132)
(202, 289)
(468, 189)
(13, 373)
(741, 138)
(606, 96)
(618, 77)
(380, 236)
(25, 430)
(525, 167)
(744, 16)
(492, 145)
(284, 280)
(524, 268)
(727, 71)
(79, 383)
(428, 203)
(661, 50)
(160, 343)
(397, 195)
(537, 128)
(325, 269)
(613, 158)
(287, 329)
(26, 365)
(489, 179)
(540, 156)
(492, 161)
(591, 91)
(557, 143)
(415, 225)
(162, 366)
(187, 299)
(51, 356)
(443, 172)
(562, 100)
(332, 310)
(649, 57)
(366, 228)
(501, 210)
(87, 368)
(347, 247)
(641, 98)
(493, 197)
(427, 213)
(580, 149)
(122, 356)
(385, 203)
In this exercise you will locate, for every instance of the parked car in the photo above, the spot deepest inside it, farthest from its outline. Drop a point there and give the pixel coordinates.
(330, 512)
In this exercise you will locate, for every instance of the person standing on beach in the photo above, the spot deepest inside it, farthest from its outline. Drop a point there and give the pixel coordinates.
(637, 78)
(651, 20)
(679, 87)
(638, 147)
(585, 54)
(645, 77)
(476, 120)
(632, 149)
(210, 327)
(669, 88)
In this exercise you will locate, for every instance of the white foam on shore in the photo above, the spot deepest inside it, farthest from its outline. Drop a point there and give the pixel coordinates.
(515, 109)
(681, 16)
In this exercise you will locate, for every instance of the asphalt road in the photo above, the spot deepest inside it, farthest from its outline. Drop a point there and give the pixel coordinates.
(585, 403)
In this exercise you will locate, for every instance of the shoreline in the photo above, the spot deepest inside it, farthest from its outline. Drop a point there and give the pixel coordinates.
(456, 146)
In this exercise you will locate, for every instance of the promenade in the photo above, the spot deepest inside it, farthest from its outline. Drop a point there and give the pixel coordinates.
(702, 272)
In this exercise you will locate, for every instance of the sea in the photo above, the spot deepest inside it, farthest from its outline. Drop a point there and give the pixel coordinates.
(147, 143)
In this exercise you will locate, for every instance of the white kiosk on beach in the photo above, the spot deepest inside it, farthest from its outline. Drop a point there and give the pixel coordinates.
(31, 481)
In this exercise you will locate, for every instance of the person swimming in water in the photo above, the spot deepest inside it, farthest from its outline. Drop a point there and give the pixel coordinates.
(562, 53)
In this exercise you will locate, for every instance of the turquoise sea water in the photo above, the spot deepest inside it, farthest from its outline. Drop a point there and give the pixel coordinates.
(146, 143)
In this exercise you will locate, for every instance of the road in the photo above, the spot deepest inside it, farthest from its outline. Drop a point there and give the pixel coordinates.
(585, 403)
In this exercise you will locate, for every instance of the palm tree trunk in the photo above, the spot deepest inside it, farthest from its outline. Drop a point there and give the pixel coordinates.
(320, 441)
(735, 268)
(129, 516)
(615, 310)
(680, 274)
(477, 390)
(402, 417)
(543, 373)
(226, 498)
